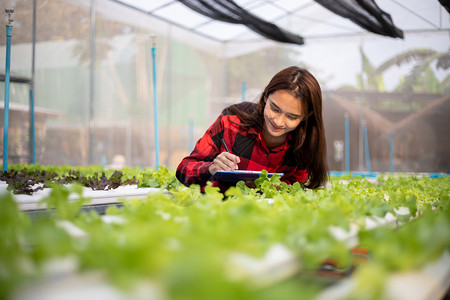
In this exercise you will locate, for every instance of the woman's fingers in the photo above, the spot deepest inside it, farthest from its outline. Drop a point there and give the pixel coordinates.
(230, 160)
(225, 161)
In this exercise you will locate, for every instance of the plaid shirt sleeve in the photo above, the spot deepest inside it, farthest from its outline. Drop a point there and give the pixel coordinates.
(194, 169)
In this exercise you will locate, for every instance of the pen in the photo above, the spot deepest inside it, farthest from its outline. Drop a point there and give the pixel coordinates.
(225, 145)
(226, 148)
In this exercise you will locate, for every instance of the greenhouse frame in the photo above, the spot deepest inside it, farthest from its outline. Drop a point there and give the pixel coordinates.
(102, 99)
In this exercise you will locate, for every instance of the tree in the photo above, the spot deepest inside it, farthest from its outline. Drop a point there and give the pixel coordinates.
(373, 81)
(421, 78)
(57, 20)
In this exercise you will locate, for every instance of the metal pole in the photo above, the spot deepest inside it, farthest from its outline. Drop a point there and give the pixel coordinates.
(32, 121)
(347, 144)
(244, 87)
(32, 128)
(92, 85)
(168, 92)
(360, 139)
(155, 102)
(9, 27)
(191, 135)
(361, 117)
(366, 146)
(391, 148)
(224, 66)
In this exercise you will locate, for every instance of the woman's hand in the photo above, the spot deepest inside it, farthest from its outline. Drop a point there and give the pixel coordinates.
(225, 161)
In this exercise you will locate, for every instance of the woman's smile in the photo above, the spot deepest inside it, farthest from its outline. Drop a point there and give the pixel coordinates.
(275, 127)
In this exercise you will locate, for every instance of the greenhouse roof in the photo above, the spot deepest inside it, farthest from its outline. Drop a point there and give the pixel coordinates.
(306, 19)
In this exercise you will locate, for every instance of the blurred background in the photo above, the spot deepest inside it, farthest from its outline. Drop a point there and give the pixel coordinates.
(89, 65)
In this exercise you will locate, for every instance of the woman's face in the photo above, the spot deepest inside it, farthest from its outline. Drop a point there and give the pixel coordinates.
(282, 114)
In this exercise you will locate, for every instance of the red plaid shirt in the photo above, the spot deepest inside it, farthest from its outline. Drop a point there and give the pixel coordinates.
(245, 142)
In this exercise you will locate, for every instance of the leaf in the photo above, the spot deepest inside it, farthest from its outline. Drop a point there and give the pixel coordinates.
(186, 196)
(58, 200)
(162, 178)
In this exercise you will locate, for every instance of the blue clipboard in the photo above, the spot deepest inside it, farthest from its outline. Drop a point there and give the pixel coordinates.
(238, 175)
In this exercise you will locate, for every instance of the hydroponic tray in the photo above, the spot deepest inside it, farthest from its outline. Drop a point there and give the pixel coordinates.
(98, 197)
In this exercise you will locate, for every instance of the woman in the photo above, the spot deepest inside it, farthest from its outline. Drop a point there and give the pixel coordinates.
(283, 133)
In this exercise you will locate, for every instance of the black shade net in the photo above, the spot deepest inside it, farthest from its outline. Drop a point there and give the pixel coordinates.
(228, 11)
(365, 13)
(445, 4)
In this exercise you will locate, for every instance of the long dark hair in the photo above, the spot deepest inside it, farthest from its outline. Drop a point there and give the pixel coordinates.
(309, 146)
